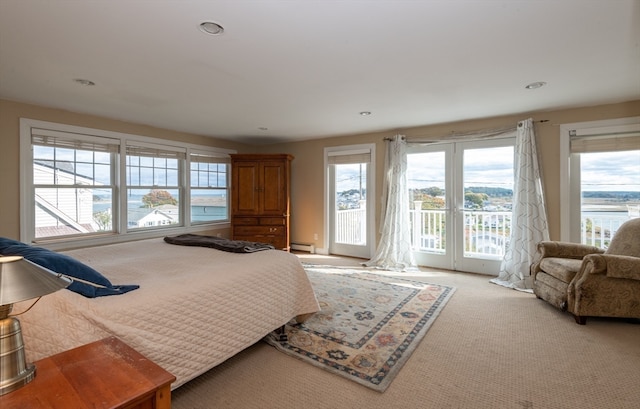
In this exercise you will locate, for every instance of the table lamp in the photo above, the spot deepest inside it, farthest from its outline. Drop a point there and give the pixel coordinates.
(20, 280)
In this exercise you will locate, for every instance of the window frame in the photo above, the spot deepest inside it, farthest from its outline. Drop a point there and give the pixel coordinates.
(164, 152)
(51, 171)
(120, 231)
(570, 167)
(219, 160)
(349, 154)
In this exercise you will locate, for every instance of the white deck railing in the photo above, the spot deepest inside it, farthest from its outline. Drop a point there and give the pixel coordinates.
(599, 230)
(486, 233)
(351, 226)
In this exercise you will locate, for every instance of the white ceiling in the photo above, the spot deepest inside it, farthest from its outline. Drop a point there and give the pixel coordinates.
(305, 69)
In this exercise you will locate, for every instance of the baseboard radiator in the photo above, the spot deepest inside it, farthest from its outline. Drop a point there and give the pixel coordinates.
(303, 247)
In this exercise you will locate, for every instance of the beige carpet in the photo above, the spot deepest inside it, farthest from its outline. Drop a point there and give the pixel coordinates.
(491, 347)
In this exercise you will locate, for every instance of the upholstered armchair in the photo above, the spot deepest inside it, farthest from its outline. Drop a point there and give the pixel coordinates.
(588, 281)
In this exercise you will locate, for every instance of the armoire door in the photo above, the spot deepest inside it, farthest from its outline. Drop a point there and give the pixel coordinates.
(246, 195)
(273, 190)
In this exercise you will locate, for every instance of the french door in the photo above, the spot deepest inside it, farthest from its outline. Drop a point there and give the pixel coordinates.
(461, 196)
(350, 200)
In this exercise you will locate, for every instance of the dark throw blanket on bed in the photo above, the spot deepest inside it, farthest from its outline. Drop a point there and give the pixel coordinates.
(218, 243)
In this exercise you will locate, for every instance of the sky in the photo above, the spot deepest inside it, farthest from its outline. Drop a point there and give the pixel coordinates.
(611, 171)
(427, 169)
(608, 171)
(350, 176)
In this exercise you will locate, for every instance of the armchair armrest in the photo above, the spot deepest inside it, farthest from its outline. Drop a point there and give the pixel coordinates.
(606, 285)
(613, 265)
(566, 249)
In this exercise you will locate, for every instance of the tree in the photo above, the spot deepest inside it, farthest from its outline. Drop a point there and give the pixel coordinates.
(430, 197)
(103, 220)
(434, 191)
(476, 199)
(430, 203)
(157, 197)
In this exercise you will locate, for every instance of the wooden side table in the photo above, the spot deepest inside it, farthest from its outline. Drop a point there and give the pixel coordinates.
(104, 374)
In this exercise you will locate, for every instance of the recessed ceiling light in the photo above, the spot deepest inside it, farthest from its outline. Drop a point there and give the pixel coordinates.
(365, 113)
(212, 28)
(84, 82)
(535, 85)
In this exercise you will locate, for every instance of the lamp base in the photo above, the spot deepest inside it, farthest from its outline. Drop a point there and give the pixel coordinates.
(14, 370)
(18, 382)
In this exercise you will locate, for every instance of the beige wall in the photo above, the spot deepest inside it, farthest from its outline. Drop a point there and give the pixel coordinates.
(307, 168)
(308, 178)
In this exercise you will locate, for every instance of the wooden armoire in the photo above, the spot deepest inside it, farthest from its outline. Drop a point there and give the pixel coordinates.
(260, 198)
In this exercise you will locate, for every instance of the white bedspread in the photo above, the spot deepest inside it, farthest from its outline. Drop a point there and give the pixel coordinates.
(195, 307)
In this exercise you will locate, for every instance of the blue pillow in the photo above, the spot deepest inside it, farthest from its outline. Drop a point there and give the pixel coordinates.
(63, 264)
(5, 242)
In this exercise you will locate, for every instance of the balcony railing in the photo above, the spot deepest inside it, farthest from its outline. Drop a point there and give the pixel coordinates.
(351, 226)
(486, 233)
(598, 230)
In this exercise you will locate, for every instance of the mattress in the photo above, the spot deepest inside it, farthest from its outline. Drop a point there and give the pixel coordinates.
(195, 308)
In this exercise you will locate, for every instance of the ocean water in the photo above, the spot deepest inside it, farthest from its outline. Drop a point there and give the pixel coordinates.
(198, 213)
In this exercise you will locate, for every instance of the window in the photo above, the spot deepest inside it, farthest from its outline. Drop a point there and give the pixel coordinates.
(153, 187)
(601, 178)
(610, 193)
(91, 185)
(73, 184)
(208, 187)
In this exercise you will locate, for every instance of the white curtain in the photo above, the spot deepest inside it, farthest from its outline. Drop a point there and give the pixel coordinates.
(529, 219)
(394, 250)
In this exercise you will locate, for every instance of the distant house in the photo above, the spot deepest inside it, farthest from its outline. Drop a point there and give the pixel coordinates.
(149, 217)
(62, 211)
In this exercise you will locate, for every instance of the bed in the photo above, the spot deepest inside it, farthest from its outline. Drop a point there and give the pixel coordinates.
(195, 308)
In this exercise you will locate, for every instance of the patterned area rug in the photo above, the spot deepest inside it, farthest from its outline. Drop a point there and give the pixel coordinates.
(368, 326)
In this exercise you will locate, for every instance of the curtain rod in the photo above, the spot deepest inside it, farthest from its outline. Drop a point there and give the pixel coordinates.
(489, 133)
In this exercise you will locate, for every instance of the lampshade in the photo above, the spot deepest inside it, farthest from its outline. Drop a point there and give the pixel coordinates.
(20, 280)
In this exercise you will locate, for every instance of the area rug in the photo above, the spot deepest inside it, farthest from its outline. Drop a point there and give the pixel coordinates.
(368, 326)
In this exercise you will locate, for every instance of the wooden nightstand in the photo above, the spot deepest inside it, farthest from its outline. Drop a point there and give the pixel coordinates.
(104, 374)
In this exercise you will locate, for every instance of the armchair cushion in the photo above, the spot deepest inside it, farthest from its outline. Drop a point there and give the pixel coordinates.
(564, 269)
(561, 252)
